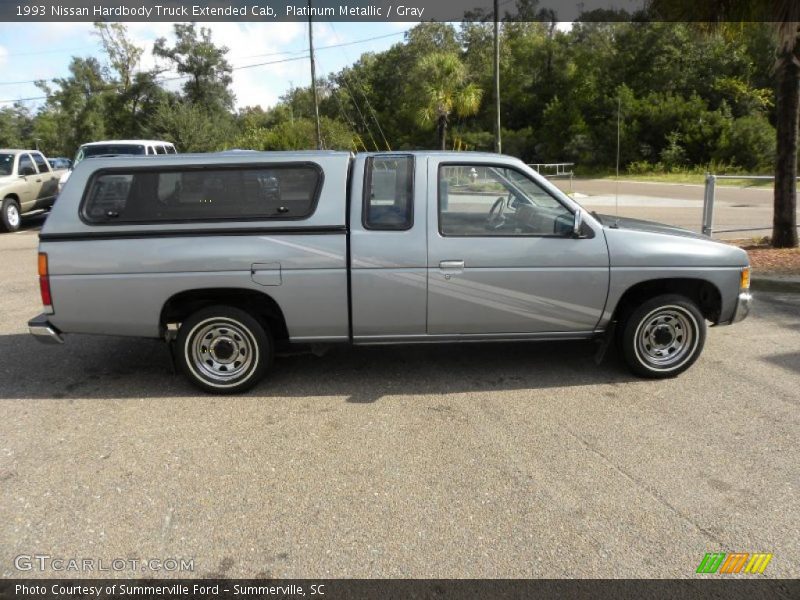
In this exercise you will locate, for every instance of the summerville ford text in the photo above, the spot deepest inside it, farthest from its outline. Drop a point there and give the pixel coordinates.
(177, 589)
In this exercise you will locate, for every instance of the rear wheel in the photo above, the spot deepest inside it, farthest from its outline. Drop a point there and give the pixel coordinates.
(663, 337)
(223, 349)
(9, 215)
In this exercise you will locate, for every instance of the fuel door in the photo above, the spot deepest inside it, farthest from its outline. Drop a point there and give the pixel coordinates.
(266, 273)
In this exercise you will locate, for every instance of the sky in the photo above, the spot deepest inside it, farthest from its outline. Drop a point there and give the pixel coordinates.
(43, 51)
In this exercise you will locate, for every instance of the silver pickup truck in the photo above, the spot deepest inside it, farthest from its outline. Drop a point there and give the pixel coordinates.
(228, 255)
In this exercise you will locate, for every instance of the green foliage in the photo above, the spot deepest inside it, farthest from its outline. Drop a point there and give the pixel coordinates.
(209, 75)
(686, 97)
(299, 134)
(16, 125)
(443, 90)
(749, 143)
(191, 127)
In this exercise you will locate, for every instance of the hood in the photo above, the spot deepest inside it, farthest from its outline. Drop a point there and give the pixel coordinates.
(4, 179)
(614, 222)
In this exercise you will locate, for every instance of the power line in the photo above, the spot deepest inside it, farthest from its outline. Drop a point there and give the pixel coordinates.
(165, 79)
(160, 80)
(352, 122)
(318, 48)
(56, 51)
(281, 53)
(361, 87)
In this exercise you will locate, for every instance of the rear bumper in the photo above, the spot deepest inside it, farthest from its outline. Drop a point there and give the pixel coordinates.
(40, 328)
(743, 304)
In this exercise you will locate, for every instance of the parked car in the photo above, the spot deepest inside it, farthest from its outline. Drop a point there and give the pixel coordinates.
(227, 255)
(109, 148)
(27, 183)
(59, 163)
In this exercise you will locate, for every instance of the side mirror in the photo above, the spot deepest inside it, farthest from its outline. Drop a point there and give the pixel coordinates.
(577, 223)
(27, 171)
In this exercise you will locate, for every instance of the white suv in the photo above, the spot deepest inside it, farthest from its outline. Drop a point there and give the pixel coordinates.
(118, 148)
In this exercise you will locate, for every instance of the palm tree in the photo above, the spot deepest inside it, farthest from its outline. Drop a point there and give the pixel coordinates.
(445, 89)
(785, 15)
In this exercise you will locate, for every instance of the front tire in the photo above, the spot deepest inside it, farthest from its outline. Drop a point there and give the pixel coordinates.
(10, 218)
(223, 349)
(663, 337)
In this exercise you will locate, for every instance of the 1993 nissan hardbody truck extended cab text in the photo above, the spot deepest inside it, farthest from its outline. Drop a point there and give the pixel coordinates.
(226, 255)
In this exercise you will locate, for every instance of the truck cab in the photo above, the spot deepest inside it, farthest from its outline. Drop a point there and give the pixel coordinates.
(228, 255)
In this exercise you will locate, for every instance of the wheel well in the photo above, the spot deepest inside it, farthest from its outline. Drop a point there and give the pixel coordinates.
(703, 293)
(260, 305)
(13, 197)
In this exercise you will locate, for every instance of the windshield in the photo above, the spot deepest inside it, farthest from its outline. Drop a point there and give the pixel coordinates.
(106, 150)
(6, 164)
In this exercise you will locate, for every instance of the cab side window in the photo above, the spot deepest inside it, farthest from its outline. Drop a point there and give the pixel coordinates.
(25, 165)
(493, 200)
(40, 163)
(389, 193)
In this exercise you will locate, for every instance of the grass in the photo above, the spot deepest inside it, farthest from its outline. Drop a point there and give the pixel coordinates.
(682, 177)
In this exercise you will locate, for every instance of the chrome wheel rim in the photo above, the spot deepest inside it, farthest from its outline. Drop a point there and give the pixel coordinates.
(666, 338)
(221, 351)
(12, 215)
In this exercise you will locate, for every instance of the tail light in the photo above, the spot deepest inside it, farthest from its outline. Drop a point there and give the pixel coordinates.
(44, 283)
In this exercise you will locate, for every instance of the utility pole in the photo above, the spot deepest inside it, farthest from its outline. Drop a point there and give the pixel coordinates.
(314, 77)
(619, 125)
(497, 140)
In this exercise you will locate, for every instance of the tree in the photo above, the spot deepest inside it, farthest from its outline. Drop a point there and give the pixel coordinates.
(298, 134)
(785, 14)
(191, 127)
(784, 220)
(137, 92)
(122, 53)
(79, 103)
(195, 55)
(15, 126)
(445, 90)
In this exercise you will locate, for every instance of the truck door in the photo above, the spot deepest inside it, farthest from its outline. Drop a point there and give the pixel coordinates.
(49, 182)
(388, 248)
(501, 255)
(30, 191)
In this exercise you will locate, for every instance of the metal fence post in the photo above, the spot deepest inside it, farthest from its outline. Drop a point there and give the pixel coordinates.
(708, 205)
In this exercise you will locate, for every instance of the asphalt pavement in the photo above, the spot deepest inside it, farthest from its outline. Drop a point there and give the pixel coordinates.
(497, 460)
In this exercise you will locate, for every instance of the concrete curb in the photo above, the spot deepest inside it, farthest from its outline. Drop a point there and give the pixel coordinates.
(776, 283)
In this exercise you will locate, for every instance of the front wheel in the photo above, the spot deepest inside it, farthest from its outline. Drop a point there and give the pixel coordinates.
(663, 336)
(9, 215)
(223, 350)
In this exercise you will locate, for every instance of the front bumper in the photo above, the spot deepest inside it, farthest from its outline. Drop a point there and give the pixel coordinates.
(40, 328)
(743, 304)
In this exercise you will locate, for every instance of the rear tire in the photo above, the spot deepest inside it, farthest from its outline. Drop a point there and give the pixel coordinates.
(223, 349)
(663, 336)
(10, 218)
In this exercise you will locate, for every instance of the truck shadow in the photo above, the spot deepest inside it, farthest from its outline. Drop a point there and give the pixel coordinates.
(34, 221)
(117, 368)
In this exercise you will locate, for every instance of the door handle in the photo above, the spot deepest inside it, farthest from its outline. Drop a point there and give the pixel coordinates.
(451, 265)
